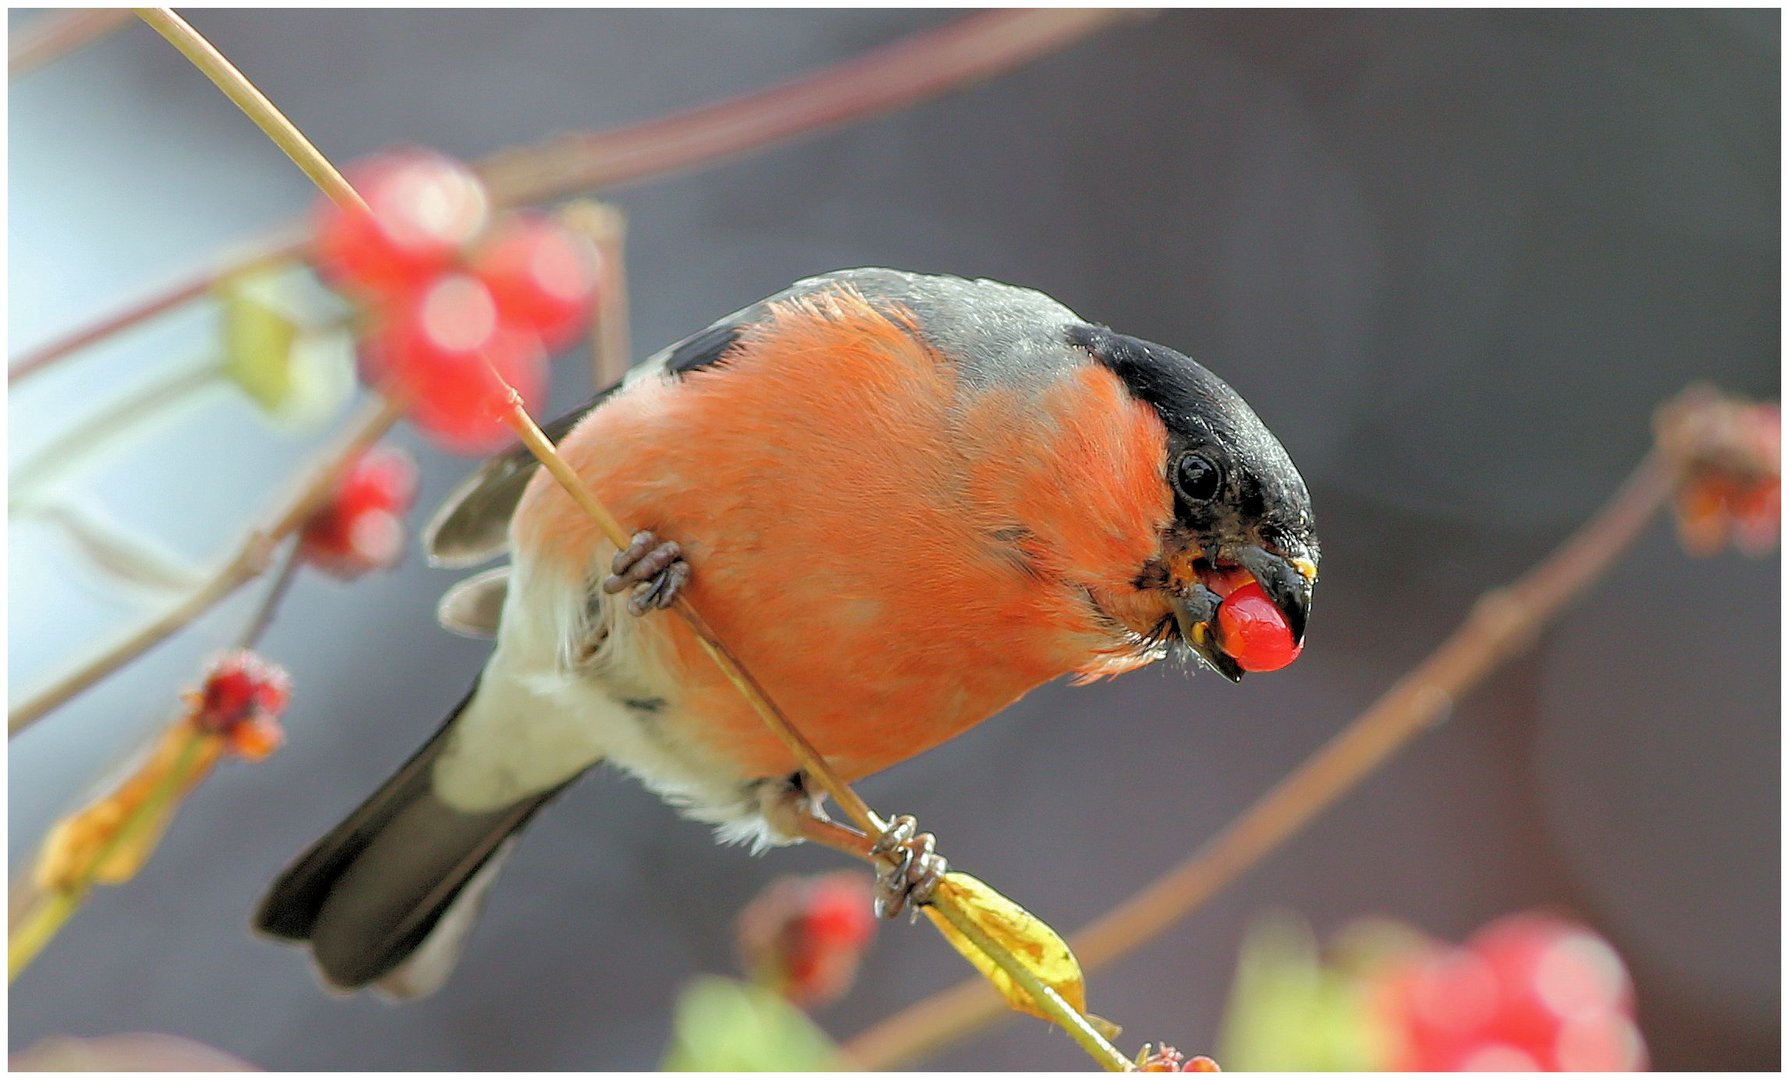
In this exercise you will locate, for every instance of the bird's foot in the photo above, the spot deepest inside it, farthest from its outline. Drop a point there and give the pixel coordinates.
(654, 569)
(915, 875)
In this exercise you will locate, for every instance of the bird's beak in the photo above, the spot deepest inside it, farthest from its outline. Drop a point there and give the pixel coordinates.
(1288, 582)
(1193, 615)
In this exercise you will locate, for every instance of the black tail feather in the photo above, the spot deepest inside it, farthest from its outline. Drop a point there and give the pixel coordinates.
(368, 894)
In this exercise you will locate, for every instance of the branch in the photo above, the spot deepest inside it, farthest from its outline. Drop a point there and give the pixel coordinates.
(611, 354)
(249, 561)
(53, 36)
(880, 81)
(1501, 625)
(107, 427)
(254, 103)
(909, 71)
(274, 248)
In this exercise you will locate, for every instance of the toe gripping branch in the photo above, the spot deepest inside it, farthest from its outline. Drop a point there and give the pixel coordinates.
(655, 570)
(915, 872)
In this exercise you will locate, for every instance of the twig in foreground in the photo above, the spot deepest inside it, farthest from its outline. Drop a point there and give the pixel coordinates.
(1500, 626)
(252, 102)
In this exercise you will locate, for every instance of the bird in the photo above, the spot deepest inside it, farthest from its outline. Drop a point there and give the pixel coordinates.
(902, 500)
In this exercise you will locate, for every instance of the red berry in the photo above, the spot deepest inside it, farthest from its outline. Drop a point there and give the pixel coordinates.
(256, 738)
(1200, 1063)
(1225, 580)
(239, 687)
(422, 211)
(1528, 992)
(543, 276)
(836, 914)
(447, 350)
(1550, 971)
(361, 527)
(1163, 1058)
(804, 936)
(1254, 632)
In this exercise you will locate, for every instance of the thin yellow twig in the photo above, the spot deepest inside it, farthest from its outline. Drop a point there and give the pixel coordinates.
(1500, 626)
(254, 103)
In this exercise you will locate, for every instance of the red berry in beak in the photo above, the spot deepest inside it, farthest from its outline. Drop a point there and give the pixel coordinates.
(1254, 632)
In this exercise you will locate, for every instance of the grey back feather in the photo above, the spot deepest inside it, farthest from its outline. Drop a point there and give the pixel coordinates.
(998, 333)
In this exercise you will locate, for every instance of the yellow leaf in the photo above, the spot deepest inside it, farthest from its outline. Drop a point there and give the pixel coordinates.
(258, 338)
(111, 838)
(1028, 938)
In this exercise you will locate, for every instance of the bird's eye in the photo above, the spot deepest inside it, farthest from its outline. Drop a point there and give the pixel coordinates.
(1197, 478)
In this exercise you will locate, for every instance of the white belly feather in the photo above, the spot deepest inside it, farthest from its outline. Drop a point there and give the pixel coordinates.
(568, 687)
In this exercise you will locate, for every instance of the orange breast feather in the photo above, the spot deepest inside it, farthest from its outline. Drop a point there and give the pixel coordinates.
(893, 554)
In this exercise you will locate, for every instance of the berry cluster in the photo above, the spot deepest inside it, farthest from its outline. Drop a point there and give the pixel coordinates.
(361, 528)
(462, 308)
(1165, 1058)
(803, 937)
(1528, 992)
(241, 700)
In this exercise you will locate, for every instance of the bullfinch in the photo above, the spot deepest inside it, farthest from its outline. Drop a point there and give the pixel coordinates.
(902, 501)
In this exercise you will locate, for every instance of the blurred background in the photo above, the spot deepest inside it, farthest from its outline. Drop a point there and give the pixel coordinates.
(1453, 259)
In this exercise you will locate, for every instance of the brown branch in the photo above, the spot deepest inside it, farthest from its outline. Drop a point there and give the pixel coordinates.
(909, 71)
(249, 561)
(274, 248)
(270, 603)
(882, 80)
(1501, 625)
(611, 353)
(53, 36)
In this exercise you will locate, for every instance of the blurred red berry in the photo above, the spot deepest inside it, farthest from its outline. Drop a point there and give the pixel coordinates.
(544, 276)
(423, 210)
(1727, 459)
(1254, 632)
(448, 353)
(241, 699)
(361, 527)
(1528, 992)
(1165, 1058)
(256, 738)
(1549, 971)
(804, 937)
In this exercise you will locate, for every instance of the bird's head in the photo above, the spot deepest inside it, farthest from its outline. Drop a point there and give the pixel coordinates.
(1239, 504)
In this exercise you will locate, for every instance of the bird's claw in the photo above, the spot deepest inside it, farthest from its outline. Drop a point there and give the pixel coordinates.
(915, 875)
(655, 570)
